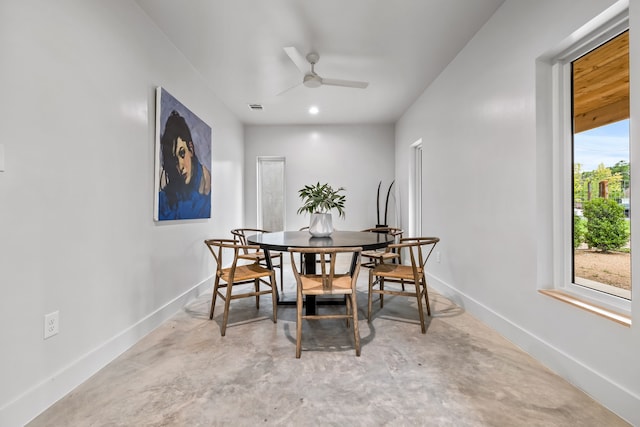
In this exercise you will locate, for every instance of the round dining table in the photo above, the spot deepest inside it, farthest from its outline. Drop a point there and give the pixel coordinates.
(281, 241)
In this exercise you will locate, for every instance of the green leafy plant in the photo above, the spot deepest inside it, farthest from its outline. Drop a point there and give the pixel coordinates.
(321, 198)
(606, 225)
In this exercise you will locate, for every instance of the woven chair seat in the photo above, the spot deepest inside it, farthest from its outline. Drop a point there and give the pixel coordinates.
(313, 285)
(245, 272)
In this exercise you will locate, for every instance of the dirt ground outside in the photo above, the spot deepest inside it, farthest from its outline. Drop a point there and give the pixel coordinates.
(612, 268)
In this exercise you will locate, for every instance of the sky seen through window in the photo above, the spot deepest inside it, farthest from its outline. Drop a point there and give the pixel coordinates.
(607, 144)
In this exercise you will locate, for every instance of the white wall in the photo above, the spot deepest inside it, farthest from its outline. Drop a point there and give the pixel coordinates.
(76, 197)
(356, 157)
(477, 122)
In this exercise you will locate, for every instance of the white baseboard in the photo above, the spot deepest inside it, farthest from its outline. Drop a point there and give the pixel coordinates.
(613, 396)
(38, 398)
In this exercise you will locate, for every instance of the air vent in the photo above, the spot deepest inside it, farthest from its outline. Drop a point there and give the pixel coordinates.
(256, 107)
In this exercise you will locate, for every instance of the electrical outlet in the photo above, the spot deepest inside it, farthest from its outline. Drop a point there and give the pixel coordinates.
(51, 324)
(438, 257)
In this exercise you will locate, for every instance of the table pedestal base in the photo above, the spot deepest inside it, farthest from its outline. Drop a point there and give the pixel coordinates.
(311, 303)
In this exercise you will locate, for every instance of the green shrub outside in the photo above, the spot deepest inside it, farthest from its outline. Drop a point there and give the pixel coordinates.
(579, 230)
(606, 225)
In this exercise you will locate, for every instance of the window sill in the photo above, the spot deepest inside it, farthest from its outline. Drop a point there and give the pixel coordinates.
(622, 319)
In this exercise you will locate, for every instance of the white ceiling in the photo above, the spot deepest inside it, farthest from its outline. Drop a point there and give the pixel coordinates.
(397, 46)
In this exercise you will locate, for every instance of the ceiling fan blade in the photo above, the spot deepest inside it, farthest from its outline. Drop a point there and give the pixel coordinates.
(288, 89)
(297, 58)
(344, 83)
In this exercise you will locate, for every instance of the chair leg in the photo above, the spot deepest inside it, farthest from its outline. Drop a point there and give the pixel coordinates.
(356, 331)
(426, 296)
(298, 325)
(227, 302)
(276, 290)
(256, 284)
(274, 296)
(347, 304)
(216, 284)
(420, 310)
(370, 297)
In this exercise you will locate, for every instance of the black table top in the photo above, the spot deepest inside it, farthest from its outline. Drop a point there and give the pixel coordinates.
(281, 240)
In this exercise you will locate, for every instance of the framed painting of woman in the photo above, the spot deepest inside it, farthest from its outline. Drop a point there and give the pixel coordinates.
(183, 162)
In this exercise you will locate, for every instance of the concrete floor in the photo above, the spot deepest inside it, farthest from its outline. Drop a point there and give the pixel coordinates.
(461, 373)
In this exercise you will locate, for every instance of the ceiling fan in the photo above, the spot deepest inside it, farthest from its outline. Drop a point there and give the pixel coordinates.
(311, 79)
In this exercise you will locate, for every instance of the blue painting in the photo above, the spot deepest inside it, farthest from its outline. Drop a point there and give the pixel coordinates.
(183, 162)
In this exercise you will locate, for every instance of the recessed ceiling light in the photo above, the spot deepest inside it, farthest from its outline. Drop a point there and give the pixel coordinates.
(313, 110)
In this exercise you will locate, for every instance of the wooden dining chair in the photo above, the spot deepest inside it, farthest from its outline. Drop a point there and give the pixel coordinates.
(418, 249)
(327, 282)
(240, 272)
(374, 257)
(303, 265)
(240, 234)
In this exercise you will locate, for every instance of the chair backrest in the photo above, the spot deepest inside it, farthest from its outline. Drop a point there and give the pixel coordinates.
(240, 235)
(419, 249)
(328, 273)
(217, 247)
(395, 232)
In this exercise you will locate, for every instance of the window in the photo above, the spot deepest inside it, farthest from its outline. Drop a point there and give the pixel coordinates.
(600, 146)
(586, 170)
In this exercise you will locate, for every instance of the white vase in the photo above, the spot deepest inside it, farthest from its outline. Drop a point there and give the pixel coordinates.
(320, 225)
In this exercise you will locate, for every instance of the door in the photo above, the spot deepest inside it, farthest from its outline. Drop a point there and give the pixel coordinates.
(415, 190)
(270, 175)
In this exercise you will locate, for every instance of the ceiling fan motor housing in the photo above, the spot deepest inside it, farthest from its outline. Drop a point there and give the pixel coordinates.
(313, 58)
(312, 80)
